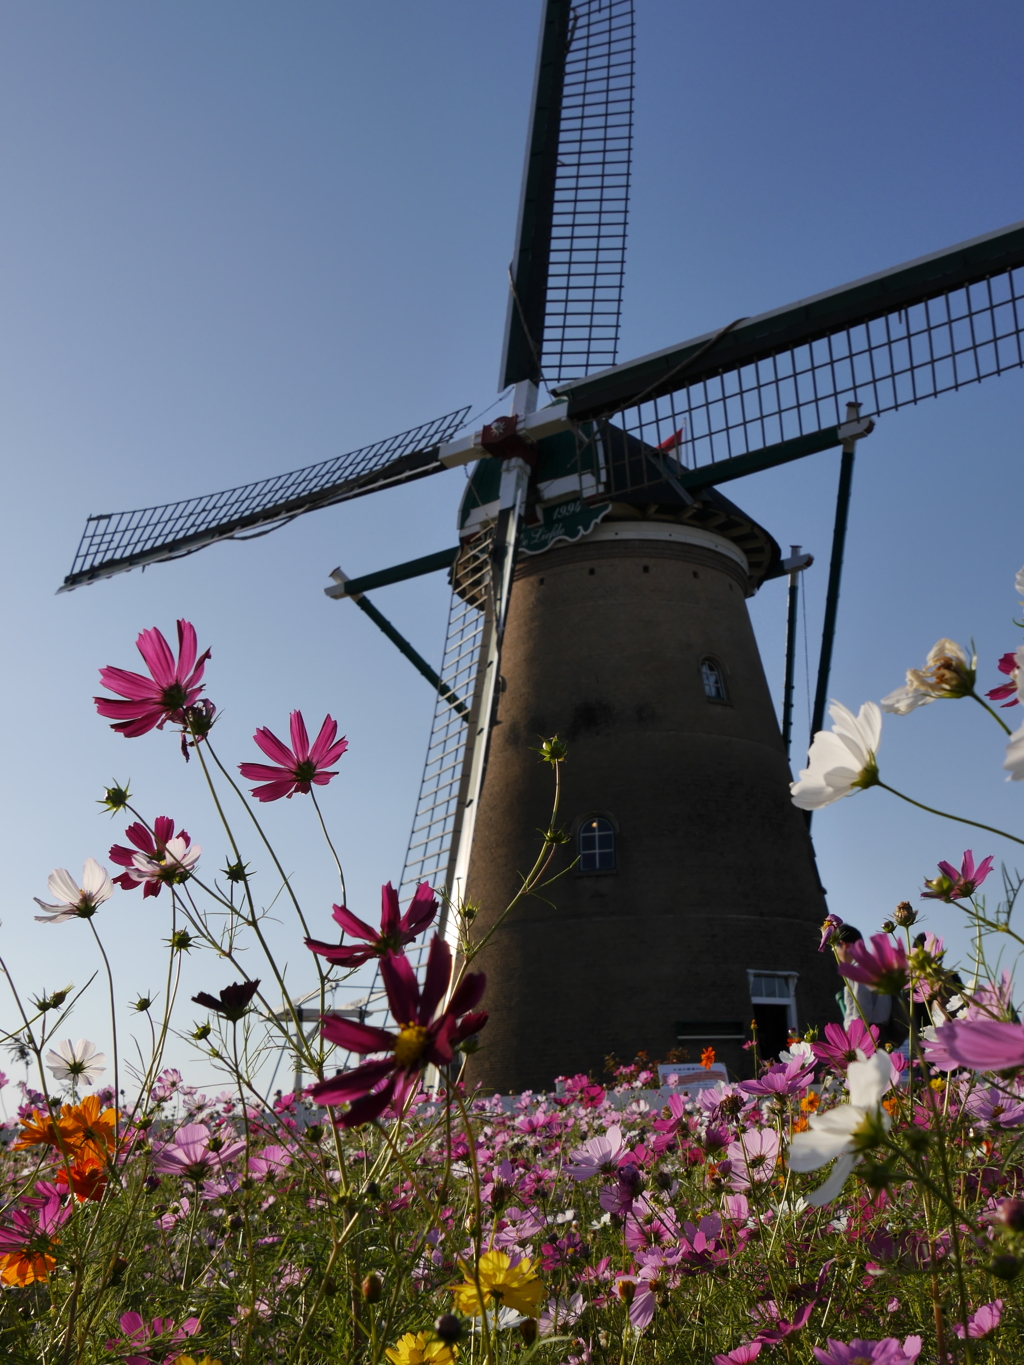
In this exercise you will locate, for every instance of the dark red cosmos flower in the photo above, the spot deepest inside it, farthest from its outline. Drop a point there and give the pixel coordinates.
(1010, 665)
(420, 1040)
(233, 1000)
(162, 856)
(151, 702)
(394, 933)
(297, 768)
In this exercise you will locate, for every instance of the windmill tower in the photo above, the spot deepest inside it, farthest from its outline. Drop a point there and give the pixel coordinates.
(599, 588)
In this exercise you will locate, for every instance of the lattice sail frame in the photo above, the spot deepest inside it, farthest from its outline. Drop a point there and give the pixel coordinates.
(118, 541)
(591, 198)
(959, 336)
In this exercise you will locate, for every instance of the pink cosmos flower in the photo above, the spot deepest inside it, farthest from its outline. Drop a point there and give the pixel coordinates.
(954, 885)
(843, 1046)
(421, 1038)
(990, 1107)
(297, 768)
(784, 1078)
(600, 1155)
(270, 1162)
(980, 1044)
(885, 1352)
(883, 966)
(648, 1228)
(160, 1332)
(157, 858)
(619, 1198)
(740, 1355)
(982, 1323)
(828, 931)
(753, 1157)
(1011, 665)
(394, 933)
(152, 702)
(195, 1153)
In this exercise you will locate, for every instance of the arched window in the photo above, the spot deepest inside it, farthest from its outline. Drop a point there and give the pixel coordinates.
(595, 844)
(714, 682)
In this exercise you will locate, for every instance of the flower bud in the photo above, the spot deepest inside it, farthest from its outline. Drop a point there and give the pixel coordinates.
(528, 1330)
(1004, 1266)
(905, 915)
(371, 1289)
(448, 1328)
(664, 1181)
(142, 1004)
(115, 797)
(553, 750)
(626, 1291)
(500, 1194)
(181, 940)
(888, 927)
(1011, 1214)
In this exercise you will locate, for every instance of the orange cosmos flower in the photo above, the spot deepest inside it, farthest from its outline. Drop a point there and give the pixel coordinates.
(707, 1058)
(25, 1267)
(41, 1130)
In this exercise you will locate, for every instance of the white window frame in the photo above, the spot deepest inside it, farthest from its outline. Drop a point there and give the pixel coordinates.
(790, 977)
(710, 662)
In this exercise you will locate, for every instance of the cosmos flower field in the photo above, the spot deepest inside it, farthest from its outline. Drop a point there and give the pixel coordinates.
(851, 1201)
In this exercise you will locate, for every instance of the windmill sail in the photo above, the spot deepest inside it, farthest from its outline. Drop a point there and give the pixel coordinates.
(567, 269)
(771, 388)
(115, 542)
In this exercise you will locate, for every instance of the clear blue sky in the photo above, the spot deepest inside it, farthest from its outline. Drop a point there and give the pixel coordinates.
(242, 238)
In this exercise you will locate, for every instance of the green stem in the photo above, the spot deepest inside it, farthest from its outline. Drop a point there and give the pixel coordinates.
(961, 819)
(994, 714)
(113, 1014)
(334, 854)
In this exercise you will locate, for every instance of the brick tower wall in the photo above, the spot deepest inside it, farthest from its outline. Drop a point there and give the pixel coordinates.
(715, 873)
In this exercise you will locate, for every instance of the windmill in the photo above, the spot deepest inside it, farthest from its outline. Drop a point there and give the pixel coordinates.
(599, 587)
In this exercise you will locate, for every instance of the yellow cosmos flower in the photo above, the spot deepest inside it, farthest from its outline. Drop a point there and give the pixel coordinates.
(421, 1348)
(191, 1360)
(502, 1283)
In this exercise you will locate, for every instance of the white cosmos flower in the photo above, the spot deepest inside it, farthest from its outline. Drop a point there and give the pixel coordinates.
(837, 1133)
(1014, 761)
(841, 759)
(76, 1061)
(948, 672)
(74, 901)
(1018, 583)
(799, 1049)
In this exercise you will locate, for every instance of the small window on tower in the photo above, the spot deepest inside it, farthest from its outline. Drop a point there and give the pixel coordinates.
(714, 682)
(596, 845)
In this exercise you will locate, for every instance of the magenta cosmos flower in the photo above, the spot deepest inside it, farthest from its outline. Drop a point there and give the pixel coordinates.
(159, 857)
(297, 768)
(843, 1046)
(888, 1351)
(784, 1078)
(151, 702)
(954, 885)
(395, 930)
(421, 1038)
(883, 966)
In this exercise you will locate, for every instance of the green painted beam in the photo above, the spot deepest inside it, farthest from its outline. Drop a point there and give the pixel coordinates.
(752, 339)
(415, 658)
(413, 568)
(722, 471)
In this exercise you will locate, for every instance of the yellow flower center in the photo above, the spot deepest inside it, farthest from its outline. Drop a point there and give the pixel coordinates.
(411, 1044)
